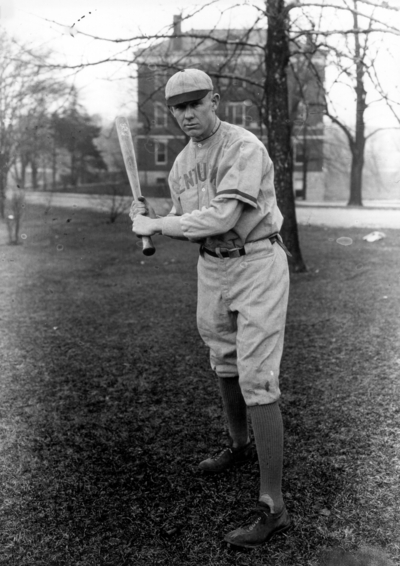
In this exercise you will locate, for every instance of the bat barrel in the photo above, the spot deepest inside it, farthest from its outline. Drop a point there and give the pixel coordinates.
(128, 153)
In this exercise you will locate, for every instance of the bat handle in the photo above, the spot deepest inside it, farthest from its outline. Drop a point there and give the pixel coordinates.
(148, 246)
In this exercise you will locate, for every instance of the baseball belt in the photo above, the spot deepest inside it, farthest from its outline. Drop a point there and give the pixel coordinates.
(237, 252)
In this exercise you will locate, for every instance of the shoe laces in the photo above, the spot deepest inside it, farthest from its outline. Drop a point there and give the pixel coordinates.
(254, 517)
(220, 454)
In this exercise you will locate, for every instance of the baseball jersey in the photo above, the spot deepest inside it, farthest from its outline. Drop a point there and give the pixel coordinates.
(231, 164)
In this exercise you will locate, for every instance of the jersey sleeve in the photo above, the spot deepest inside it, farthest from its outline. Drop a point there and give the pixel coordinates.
(171, 222)
(221, 216)
(174, 190)
(241, 171)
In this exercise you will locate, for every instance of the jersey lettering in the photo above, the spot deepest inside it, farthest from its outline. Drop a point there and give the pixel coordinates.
(189, 179)
(202, 171)
(192, 177)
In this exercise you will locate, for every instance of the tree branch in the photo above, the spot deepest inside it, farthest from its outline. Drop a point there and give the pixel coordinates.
(348, 9)
(381, 129)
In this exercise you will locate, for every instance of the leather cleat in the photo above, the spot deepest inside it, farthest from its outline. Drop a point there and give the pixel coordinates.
(259, 528)
(226, 459)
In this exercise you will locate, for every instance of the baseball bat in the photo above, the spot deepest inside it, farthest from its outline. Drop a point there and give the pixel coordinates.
(128, 153)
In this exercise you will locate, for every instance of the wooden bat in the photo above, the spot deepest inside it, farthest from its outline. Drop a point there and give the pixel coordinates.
(128, 153)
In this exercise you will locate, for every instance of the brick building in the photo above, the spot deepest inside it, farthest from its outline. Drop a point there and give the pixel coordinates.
(234, 58)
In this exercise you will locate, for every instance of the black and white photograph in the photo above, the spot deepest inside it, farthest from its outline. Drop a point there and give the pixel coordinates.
(200, 283)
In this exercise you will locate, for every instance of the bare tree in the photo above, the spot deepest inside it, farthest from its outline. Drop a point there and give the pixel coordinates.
(27, 91)
(277, 56)
(14, 211)
(34, 140)
(346, 30)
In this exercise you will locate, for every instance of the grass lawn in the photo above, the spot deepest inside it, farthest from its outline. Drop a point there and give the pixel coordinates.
(107, 402)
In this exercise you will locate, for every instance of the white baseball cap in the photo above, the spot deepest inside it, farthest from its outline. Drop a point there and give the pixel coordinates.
(187, 85)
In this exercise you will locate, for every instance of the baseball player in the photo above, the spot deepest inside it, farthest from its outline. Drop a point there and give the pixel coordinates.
(222, 189)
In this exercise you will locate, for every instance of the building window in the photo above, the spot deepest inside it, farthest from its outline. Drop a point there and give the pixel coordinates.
(161, 152)
(236, 113)
(160, 115)
(299, 153)
(160, 78)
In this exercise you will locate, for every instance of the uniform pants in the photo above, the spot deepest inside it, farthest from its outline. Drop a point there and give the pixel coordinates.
(241, 314)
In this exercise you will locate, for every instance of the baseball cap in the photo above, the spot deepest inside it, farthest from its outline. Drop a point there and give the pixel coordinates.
(186, 86)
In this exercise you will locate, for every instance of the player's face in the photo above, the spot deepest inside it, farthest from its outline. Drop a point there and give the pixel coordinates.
(197, 118)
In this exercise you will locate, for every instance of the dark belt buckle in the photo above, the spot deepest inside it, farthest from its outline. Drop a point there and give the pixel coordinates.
(234, 253)
(223, 252)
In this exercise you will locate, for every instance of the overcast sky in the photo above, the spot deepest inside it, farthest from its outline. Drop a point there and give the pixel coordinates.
(101, 88)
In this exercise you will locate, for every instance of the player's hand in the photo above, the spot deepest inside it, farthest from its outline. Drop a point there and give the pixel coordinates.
(141, 207)
(145, 226)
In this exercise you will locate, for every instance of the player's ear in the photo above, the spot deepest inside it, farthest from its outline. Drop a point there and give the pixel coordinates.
(215, 100)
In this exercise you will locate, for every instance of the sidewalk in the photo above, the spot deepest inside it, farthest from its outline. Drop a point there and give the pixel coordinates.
(385, 204)
(374, 214)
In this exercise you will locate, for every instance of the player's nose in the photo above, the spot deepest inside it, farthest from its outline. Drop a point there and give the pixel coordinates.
(189, 111)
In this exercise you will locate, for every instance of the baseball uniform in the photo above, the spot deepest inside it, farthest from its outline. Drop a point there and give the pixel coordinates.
(223, 196)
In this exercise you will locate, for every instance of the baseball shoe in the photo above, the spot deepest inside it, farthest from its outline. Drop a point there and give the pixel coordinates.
(227, 458)
(260, 526)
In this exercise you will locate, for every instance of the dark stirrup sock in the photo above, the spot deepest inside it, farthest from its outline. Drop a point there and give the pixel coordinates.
(235, 409)
(268, 433)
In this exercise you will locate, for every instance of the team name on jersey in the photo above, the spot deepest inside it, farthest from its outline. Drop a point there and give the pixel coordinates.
(193, 177)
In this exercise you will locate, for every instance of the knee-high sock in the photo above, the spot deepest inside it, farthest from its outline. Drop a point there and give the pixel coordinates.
(235, 409)
(268, 433)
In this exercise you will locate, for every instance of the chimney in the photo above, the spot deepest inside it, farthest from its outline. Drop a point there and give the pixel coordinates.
(177, 41)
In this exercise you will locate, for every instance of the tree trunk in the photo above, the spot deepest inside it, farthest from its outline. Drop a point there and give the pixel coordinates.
(357, 162)
(23, 174)
(74, 174)
(54, 168)
(305, 163)
(2, 195)
(278, 124)
(304, 181)
(82, 173)
(44, 173)
(3, 183)
(357, 165)
(34, 171)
